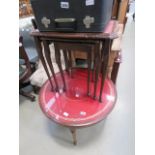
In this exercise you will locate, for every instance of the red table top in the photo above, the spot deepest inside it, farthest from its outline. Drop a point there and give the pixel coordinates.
(73, 107)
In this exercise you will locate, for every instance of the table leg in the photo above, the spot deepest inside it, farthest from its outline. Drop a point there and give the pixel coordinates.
(70, 62)
(94, 64)
(96, 67)
(73, 132)
(115, 69)
(49, 61)
(40, 53)
(105, 52)
(66, 60)
(89, 59)
(58, 57)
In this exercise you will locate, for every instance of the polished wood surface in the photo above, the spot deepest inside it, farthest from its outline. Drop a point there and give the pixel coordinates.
(25, 9)
(122, 11)
(115, 49)
(26, 71)
(88, 43)
(109, 32)
(115, 10)
(23, 55)
(49, 61)
(77, 90)
(40, 53)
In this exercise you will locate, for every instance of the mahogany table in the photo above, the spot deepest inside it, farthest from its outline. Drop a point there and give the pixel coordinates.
(77, 97)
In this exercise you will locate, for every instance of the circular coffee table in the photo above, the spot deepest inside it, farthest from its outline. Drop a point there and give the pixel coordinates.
(73, 108)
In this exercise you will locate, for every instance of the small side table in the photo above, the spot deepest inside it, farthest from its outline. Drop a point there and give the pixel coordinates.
(77, 97)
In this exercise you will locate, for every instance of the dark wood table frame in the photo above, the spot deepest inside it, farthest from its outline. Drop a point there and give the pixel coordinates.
(96, 44)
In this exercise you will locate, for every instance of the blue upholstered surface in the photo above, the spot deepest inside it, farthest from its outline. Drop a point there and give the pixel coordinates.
(28, 42)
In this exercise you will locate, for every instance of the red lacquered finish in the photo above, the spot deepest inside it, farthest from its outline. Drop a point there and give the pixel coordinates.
(73, 107)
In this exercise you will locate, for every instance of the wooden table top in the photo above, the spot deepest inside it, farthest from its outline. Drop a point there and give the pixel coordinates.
(110, 32)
